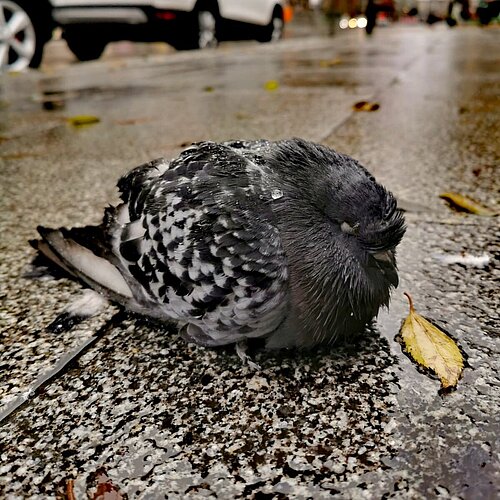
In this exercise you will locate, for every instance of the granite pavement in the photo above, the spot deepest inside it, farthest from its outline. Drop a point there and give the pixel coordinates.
(121, 406)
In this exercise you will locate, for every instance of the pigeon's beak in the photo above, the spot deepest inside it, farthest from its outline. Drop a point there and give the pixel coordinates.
(386, 262)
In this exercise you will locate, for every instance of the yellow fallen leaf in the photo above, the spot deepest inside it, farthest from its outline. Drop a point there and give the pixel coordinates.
(81, 120)
(208, 88)
(366, 106)
(432, 348)
(271, 85)
(466, 204)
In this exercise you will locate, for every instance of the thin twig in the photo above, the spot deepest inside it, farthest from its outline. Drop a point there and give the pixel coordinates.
(59, 368)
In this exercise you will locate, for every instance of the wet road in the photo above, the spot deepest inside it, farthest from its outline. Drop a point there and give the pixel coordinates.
(166, 418)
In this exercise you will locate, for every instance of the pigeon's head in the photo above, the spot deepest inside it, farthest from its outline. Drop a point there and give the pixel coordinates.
(342, 244)
(365, 220)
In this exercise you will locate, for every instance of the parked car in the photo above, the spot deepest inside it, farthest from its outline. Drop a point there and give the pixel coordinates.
(89, 25)
(488, 10)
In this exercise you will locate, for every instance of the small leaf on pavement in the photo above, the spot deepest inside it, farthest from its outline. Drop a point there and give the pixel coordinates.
(328, 63)
(431, 348)
(82, 120)
(70, 493)
(103, 486)
(466, 204)
(271, 85)
(366, 106)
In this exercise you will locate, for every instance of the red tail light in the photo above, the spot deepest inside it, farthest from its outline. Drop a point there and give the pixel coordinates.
(165, 15)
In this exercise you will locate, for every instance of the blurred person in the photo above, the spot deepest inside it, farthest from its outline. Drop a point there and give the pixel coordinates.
(334, 9)
(371, 16)
(487, 10)
(374, 8)
(463, 5)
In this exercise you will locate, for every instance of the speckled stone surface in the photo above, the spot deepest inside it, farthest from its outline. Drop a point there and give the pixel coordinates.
(168, 420)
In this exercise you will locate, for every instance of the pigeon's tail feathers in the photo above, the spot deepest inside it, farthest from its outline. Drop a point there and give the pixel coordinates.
(66, 249)
(47, 263)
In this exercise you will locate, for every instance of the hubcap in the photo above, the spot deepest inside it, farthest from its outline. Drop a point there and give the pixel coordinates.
(207, 27)
(277, 29)
(17, 37)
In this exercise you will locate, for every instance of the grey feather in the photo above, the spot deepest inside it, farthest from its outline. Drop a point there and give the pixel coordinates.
(288, 241)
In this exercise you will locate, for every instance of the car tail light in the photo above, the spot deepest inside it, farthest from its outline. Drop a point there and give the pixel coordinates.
(165, 15)
(287, 13)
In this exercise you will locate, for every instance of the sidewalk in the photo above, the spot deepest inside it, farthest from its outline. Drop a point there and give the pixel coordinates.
(157, 418)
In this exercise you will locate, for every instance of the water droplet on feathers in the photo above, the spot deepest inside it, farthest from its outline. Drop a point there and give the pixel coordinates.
(276, 194)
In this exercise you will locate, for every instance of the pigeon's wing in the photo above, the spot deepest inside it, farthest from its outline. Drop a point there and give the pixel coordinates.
(85, 253)
(196, 242)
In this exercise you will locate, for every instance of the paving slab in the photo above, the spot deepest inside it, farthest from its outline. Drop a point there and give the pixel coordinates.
(158, 418)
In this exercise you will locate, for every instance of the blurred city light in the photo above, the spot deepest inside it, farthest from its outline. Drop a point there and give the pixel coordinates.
(344, 23)
(353, 22)
(362, 22)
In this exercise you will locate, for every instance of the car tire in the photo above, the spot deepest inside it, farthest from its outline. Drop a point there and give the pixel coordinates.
(26, 29)
(201, 31)
(274, 30)
(83, 46)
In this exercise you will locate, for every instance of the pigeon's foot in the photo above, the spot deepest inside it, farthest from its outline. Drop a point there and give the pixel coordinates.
(241, 351)
(87, 305)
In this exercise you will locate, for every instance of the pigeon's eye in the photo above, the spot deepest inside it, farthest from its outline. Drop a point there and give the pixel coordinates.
(347, 228)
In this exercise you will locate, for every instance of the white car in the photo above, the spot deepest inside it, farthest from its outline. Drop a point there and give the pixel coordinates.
(88, 25)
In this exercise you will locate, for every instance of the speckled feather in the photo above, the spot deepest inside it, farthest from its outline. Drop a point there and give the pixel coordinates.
(193, 249)
(245, 239)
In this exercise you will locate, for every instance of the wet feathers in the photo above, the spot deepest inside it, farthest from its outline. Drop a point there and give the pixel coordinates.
(288, 241)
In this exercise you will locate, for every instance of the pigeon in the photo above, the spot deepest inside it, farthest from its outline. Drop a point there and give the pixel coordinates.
(286, 241)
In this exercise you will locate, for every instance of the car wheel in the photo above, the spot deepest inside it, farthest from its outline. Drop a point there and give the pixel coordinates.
(207, 30)
(24, 30)
(86, 46)
(274, 30)
(201, 32)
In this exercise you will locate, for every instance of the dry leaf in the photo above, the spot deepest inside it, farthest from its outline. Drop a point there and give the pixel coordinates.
(103, 486)
(271, 85)
(328, 63)
(53, 104)
(366, 106)
(82, 120)
(466, 204)
(70, 493)
(432, 348)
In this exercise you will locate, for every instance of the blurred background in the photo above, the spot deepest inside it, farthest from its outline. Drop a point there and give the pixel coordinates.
(52, 32)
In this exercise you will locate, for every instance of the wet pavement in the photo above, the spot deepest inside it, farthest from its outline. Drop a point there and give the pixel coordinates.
(148, 416)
